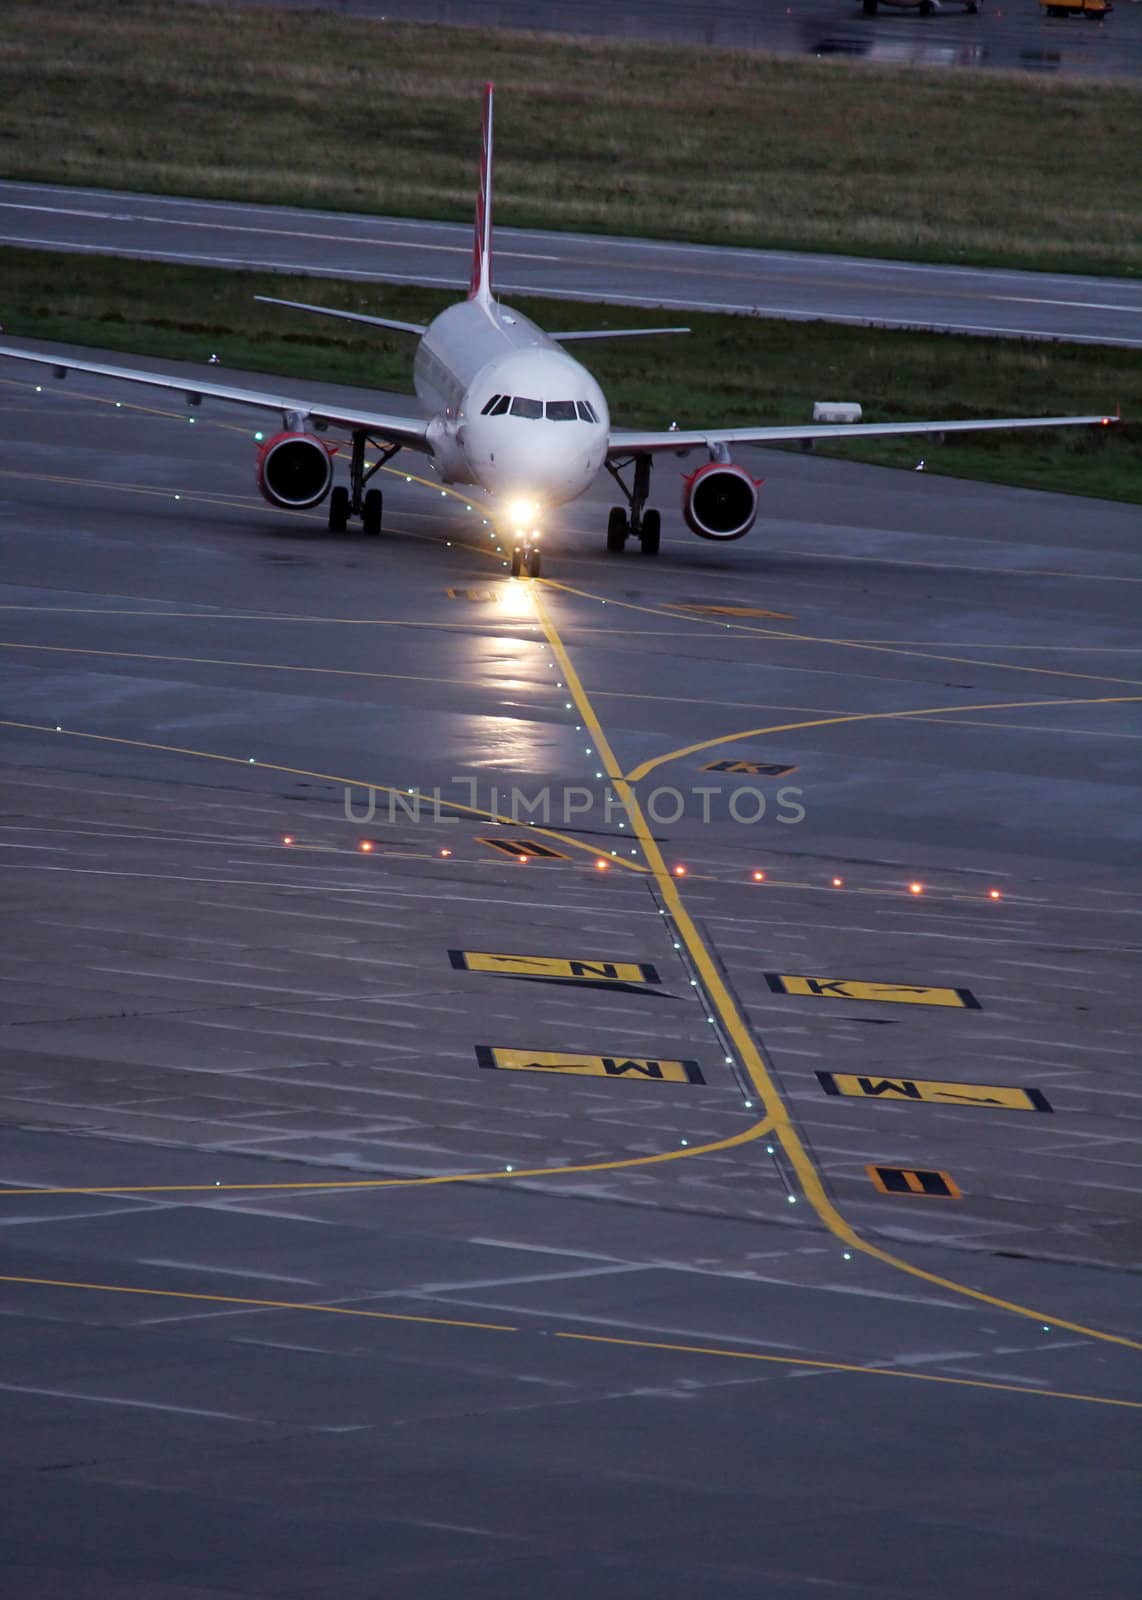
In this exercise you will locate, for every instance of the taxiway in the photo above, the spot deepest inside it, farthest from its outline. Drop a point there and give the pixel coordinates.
(323, 1275)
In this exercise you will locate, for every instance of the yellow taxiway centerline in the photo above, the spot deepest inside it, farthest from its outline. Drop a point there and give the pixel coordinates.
(756, 1130)
(748, 1052)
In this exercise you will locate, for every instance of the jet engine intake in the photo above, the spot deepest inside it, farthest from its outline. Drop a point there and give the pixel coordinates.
(295, 470)
(719, 501)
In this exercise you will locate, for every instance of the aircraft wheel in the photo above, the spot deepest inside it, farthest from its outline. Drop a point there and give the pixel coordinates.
(517, 561)
(651, 536)
(926, 8)
(869, 7)
(617, 530)
(339, 510)
(371, 512)
(534, 564)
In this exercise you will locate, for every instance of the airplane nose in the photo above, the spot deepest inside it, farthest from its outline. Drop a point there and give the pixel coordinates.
(541, 468)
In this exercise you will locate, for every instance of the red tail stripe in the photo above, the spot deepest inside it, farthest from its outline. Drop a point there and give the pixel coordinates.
(480, 282)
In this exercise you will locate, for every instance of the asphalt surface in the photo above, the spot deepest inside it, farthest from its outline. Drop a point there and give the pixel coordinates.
(631, 272)
(634, 1351)
(1012, 37)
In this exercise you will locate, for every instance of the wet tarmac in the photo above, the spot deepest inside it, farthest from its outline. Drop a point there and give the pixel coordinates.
(491, 1190)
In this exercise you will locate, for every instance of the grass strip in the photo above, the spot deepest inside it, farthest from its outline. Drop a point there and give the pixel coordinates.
(728, 370)
(317, 109)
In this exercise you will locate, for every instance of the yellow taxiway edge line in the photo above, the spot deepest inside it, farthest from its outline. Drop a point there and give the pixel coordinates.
(325, 777)
(636, 774)
(501, 1174)
(222, 661)
(748, 1052)
(842, 1366)
(726, 1353)
(268, 1305)
(854, 644)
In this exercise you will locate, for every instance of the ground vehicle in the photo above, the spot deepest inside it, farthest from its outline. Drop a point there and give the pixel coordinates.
(1078, 8)
(924, 7)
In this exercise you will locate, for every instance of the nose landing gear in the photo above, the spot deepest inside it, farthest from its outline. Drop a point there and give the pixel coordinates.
(526, 557)
(640, 524)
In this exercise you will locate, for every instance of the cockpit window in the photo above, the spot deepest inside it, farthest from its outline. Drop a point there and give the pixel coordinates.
(492, 402)
(526, 408)
(561, 411)
(586, 411)
(503, 402)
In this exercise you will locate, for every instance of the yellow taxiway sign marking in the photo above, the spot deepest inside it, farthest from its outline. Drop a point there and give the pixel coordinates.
(928, 1090)
(562, 968)
(754, 769)
(584, 1066)
(916, 994)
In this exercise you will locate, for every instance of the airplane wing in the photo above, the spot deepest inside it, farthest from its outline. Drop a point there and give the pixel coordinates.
(611, 333)
(629, 441)
(408, 431)
(347, 316)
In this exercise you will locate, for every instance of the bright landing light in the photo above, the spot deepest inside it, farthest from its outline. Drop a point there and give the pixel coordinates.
(521, 512)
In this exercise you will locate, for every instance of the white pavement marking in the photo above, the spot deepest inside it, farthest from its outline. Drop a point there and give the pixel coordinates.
(142, 1405)
(226, 1272)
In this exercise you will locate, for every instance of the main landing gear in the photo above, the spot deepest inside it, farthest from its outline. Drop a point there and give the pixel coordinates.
(526, 558)
(356, 500)
(638, 523)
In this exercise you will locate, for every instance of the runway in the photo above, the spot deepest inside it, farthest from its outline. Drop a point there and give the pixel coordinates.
(624, 272)
(389, 1214)
(1011, 38)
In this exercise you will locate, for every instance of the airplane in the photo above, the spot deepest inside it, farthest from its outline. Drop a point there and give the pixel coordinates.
(511, 411)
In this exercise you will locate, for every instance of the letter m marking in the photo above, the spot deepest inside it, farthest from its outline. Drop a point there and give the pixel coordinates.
(890, 1086)
(615, 1069)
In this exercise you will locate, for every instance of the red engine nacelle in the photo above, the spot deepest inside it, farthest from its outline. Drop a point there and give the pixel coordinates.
(719, 501)
(295, 470)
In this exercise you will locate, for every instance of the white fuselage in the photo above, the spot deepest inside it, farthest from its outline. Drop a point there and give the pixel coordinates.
(510, 409)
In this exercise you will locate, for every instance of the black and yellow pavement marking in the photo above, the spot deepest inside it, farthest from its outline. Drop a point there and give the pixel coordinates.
(562, 969)
(910, 1180)
(647, 1068)
(472, 594)
(930, 1091)
(525, 847)
(917, 994)
(753, 769)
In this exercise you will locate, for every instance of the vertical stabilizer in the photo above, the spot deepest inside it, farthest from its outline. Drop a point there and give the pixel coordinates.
(480, 287)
